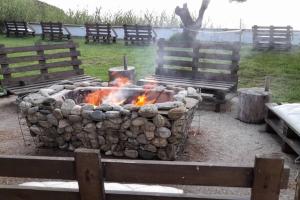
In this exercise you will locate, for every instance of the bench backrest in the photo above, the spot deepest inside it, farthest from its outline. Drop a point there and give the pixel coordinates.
(52, 27)
(98, 29)
(265, 179)
(38, 63)
(16, 26)
(137, 31)
(272, 34)
(199, 60)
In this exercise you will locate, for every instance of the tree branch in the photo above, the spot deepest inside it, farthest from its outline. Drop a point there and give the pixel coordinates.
(198, 22)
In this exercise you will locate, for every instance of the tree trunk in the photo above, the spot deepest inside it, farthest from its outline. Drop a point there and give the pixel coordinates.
(191, 26)
(252, 104)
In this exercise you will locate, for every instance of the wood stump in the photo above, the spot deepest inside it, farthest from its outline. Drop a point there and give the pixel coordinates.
(121, 72)
(252, 104)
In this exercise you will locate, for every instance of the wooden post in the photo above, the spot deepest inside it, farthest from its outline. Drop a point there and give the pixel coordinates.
(74, 57)
(89, 174)
(4, 66)
(267, 83)
(42, 60)
(268, 171)
(271, 42)
(297, 194)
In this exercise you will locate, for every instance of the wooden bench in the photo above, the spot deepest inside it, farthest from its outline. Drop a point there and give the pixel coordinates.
(211, 67)
(18, 29)
(272, 37)
(54, 31)
(100, 32)
(137, 34)
(287, 132)
(29, 68)
(265, 179)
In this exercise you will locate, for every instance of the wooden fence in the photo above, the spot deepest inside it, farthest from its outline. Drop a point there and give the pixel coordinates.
(266, 178)
(272, 37)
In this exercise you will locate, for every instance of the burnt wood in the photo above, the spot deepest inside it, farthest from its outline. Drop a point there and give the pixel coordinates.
(42, 66)
(139, 34)
(209, 66)
(272, 37)
(18, 29)
(100, 33)
(90, 172)
(55, 31)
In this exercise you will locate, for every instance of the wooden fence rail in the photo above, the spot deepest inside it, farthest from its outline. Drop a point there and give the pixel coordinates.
(266, 178)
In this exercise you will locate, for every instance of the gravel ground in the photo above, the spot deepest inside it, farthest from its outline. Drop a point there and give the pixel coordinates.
(215, 138)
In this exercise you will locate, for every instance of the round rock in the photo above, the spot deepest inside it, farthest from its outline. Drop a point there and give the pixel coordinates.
(164, 132)
(57, 114)
(76, 110)
(67, 106)
(105, 107)
(148, 111)
(112, 114)
(176, 113)
(131, 153)
(63, 123)
(159, 121)
(75, 118)
(97, 115)
(138, 121)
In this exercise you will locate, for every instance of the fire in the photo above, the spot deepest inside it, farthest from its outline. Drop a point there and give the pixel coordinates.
(115, 95)
(142, 100)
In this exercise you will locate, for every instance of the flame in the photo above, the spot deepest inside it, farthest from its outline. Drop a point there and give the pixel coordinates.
(142, 100)
(115, 95)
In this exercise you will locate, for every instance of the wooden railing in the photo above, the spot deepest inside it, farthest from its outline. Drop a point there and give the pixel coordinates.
(266, 178)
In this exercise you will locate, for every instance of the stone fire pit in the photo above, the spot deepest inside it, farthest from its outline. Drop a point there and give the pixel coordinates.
(60, 117)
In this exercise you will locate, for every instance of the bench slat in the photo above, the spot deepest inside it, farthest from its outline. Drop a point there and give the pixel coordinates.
(9, 50)
(194, 173)
(37, 193)
(197, 75)
(190, 81)
(41, 66)
(20, 59)
(27, 80)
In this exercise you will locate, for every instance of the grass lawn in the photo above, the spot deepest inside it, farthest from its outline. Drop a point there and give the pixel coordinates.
(283, 67)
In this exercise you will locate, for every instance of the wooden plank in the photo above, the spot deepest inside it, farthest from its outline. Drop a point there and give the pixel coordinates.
(40, 66)
(9, 50)
(36, 193)
(188, 81)
(115, 195)
(89, 174)
(27, 80)
(268, 171)
(179, 63)
(37, 167)
(189, 174)
(137, 171)
(175, 53)
(200, 75)
(158, 77)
